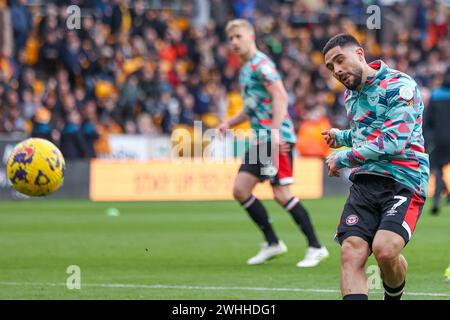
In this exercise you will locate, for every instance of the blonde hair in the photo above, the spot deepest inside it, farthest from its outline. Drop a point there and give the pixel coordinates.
(239, 23)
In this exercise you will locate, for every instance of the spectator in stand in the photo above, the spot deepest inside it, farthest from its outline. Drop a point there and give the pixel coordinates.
(436, 122)
(73, 143)
(22, 24)
(88, 128)
(42, 127)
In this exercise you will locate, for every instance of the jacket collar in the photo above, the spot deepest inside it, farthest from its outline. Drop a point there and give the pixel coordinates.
(382, 70)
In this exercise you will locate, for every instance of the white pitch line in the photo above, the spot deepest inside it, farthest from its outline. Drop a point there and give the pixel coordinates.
(163, 286)
(210, 288)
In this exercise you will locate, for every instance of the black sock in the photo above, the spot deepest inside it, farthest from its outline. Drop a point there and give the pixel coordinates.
(301, 217)
(393, 293)
(358, 296)
(259, 215)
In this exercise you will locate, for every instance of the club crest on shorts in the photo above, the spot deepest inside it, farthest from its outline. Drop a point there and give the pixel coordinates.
(352, 220)
(269, 171)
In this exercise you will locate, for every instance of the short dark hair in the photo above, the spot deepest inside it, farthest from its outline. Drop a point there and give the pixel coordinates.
(340, 40)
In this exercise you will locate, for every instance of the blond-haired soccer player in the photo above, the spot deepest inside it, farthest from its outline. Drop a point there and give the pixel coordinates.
(265, 104)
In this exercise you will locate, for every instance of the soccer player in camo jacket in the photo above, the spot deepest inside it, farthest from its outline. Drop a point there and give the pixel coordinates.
(390, 168)
(265, 104)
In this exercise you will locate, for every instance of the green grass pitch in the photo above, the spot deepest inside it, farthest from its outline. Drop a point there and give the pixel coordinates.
(187, 250)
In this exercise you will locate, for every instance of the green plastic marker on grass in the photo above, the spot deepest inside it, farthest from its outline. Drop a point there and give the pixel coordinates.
(112, 212)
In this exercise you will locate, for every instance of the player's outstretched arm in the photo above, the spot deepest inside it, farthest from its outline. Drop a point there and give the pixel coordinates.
(336, 138)
(237, 119)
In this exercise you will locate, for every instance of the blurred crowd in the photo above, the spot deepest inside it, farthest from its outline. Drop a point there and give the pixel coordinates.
(148, 67)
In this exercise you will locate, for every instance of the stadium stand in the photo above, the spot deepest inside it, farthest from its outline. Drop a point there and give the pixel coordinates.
(147, 67)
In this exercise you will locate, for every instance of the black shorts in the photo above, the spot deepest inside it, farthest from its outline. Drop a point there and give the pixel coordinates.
(258, 162)
(379, 203)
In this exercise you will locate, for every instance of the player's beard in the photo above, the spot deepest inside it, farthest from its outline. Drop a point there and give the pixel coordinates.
(243, 53)
(357, 78)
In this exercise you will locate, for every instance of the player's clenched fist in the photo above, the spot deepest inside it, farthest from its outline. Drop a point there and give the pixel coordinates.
(224, 126)
(330, 138)
(333, 169)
